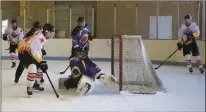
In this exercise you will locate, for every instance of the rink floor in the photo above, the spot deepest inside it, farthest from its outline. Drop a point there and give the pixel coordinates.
(185, 92)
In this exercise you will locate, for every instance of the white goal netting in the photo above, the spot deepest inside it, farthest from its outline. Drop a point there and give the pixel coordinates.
(132, 66)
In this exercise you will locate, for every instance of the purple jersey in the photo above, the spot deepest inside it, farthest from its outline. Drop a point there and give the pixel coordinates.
(79, 68)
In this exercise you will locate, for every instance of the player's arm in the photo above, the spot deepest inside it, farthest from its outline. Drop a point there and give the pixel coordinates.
(36, 47)
(21, 35)
(196, 31)
(180, 35)
(75, 35)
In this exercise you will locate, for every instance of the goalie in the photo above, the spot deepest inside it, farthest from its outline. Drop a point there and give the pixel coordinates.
(83, 74)
(187, 35)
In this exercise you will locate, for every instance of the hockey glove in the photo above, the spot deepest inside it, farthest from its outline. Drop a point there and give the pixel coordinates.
(179, 45)
(5, 37)
(90, 37)
(43, 52)
(43, 66)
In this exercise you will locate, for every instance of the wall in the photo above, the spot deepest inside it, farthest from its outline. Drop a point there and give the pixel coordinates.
(101, 50)
(104, 18)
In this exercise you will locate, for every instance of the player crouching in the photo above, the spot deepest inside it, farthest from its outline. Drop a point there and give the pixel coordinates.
(30, 55)
(83, 74)
(188, 33)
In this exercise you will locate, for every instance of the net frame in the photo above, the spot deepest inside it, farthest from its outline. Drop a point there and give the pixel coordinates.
(120, 73)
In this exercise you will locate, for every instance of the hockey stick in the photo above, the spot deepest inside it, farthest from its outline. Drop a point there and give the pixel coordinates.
(167, 59)
(69, 65)
(57, 95)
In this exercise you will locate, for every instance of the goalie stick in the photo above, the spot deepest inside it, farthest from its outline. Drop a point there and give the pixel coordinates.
(69, 60)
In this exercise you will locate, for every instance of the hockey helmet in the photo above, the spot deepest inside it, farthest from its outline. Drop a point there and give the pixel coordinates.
(36, 24)
(14, 24)
(188, 19)
(48, 28)
(80, 19)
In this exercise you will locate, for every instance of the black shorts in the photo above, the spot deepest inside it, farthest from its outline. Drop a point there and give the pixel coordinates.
(191, 48)
(12, 48)
(26, 59)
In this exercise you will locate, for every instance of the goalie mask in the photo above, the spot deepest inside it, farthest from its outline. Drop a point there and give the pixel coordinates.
(188, 19)
(48, 31)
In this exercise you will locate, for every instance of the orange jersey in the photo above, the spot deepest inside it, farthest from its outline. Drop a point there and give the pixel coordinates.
(33, 45)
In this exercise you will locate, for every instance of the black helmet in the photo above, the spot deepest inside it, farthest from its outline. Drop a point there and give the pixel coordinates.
(48, 27)
(80, 19)
(13, 21)
(188, 17)
(36, 24)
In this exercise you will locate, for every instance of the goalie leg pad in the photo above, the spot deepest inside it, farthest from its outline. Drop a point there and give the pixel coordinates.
(108, 80)
(85, 86)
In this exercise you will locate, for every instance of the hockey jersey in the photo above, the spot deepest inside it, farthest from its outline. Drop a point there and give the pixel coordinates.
(14, 36)
(33, 45)
(80, 36)
(182, 30)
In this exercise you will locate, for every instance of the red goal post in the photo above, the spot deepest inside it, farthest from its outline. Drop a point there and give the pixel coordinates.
(131, 65)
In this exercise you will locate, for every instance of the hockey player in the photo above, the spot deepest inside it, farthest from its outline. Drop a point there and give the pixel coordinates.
(81, 31)
(83, 74)
(20, 68)
(187, 35)
(30, 55)
(13, 35)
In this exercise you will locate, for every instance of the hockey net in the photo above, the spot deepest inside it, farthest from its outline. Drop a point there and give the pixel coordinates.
(132, 66)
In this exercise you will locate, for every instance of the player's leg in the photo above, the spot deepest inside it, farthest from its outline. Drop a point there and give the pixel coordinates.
(187, 55)
(85, 85)
(12, 52)
(19, 71)
(96, 72)
(196, 54)
(32, 71)
(37, 84)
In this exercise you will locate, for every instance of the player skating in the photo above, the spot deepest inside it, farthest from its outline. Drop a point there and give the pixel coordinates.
(20, 68)
(13, 34)
(187, 35)
(30, 55)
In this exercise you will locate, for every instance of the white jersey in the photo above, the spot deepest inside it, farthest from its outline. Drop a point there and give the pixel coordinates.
(33, 45)
(193, 27)
(14, 36)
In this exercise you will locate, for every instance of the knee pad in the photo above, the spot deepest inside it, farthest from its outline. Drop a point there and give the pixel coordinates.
(188, 57)
(32, 68)
(85, 86)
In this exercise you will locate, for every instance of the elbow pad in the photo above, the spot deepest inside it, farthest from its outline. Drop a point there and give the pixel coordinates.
(195, 35)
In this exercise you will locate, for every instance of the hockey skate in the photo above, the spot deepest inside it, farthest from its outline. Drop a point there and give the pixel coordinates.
(190, 70)
(42, 80)
(201, 70)
(13, 65)
(37, 87)
(29, 91)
